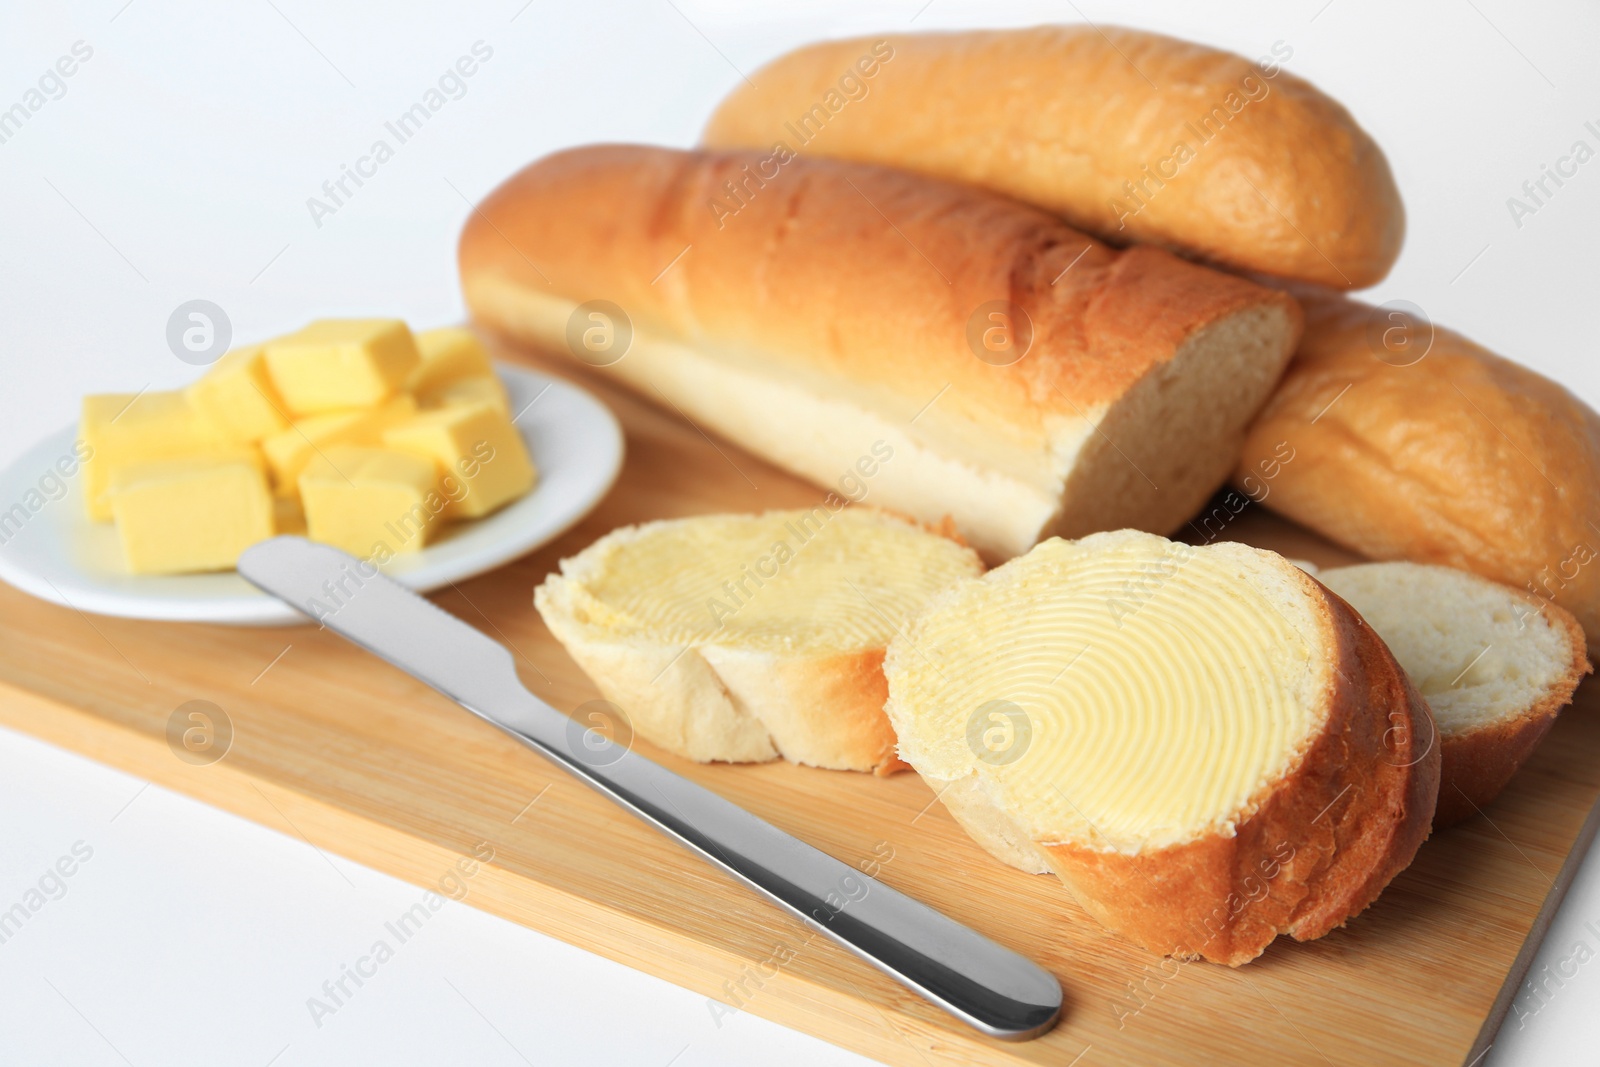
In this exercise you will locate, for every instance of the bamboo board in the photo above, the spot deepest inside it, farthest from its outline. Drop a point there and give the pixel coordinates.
(334, 746)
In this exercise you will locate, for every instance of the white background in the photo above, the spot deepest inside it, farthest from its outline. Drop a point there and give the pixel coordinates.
(177, 165)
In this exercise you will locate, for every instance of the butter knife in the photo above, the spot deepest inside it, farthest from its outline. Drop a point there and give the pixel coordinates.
(989, 987)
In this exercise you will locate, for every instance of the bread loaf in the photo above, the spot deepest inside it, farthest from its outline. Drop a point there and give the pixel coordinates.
(1129, 135)
(1494, 665)
(1409, 442)
(1207, 746)
(748, 637)
(1027, 379)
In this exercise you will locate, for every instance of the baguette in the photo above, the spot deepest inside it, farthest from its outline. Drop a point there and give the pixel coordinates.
(748, 637)
(1028, 380)
(1125, 134)
(1207, 746)
(1494, 665)
(1409, 442)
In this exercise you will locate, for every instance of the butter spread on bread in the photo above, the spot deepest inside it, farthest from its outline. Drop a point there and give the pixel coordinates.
(1413, 443)
(1205, 745)
(748, 637)
(1494, 664)
(846, 304)
(1129, 135)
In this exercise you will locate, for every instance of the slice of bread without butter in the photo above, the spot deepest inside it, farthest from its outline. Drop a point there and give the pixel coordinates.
(748, 637)
(1495, 666)
(1207, 746)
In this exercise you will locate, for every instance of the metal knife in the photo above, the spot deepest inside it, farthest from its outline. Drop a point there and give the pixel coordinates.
(985, 985)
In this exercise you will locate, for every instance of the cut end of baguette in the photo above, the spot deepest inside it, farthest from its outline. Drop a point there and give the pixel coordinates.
(1162, 726)
(1150, 459)
(743, 638)
(1494, 664)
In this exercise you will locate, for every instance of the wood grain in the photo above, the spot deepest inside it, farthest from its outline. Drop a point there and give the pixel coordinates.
(338, 748)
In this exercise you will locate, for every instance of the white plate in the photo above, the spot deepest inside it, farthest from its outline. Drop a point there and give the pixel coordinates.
(51, 549)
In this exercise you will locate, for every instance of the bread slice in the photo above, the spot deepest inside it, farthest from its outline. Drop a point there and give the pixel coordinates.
(1411, 442)
(748, 637)
(1126, 134)
(1207, 746)
(1495, 666)
(1013, 374)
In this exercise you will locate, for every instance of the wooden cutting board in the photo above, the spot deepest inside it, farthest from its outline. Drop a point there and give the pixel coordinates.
(333, 746)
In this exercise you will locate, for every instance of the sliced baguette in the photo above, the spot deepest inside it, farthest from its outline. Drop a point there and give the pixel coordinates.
(1126, 134)
(1411, 442)
(748, 637)
(1025, 379)
(1495, 666)
(1207, 746)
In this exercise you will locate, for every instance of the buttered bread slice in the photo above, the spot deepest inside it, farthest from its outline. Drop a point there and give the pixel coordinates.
(748, 637)
(1494, 664)
(1205, 745)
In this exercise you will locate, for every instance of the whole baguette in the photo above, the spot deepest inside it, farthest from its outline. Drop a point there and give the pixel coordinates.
(1129, 135)
(848, 306)
(1460, 458)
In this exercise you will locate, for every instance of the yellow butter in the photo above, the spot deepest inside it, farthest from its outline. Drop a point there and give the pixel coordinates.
(785, 583)
(479, 456)
(467, 392)
(123, 428)
(238, 398)
(371, 502)
(448, 356)
(195, 513)
(288, 451)
(334, 364)
(1124, 690)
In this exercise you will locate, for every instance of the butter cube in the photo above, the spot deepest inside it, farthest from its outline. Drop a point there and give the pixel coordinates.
(191, 514)
(238, 397)
(448, 356)
(123, 428)
(467, 392)
(288, 451)
(479, 456)
(373, 503)
(341, 363)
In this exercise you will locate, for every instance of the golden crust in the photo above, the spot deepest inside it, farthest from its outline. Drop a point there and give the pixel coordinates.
(821, 711)
(1461, 458)
(1276, 177)
(1318, 848)
(713, 705)
(855, 272)
(1477, 764)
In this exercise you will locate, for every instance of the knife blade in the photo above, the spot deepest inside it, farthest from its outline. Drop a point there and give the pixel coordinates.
(989, 987)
